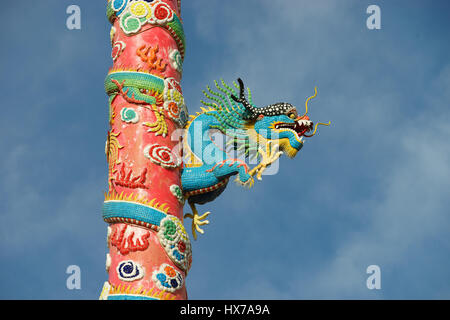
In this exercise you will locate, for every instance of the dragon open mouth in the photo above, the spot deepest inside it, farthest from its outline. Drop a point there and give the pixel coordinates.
(300, 127)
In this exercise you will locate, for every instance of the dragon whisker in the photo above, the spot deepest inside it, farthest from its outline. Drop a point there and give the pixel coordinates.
(306, 103)
(315, 128)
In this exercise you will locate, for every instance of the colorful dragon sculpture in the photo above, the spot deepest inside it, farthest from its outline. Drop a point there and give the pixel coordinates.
(250, 132)
(150, 173)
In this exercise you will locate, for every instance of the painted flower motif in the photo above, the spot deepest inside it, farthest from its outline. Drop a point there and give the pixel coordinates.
(131, 24)
(167, 278)
(177, 192)
(174, 102)
(141, 9)
(129, 270)
(162, 155)
(176, 61)
(119, 6)
(181, 246)
(162, 13)
(134, 14)
(173, 110)
(177, 112)
(170, 229)
(169, 271)
(129, 115)
(117, 49)
(174, 239)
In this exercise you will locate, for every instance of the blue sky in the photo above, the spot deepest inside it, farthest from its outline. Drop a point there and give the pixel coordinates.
(371, 189)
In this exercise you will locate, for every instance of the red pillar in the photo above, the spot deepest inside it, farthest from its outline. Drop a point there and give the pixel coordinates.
(149, 249)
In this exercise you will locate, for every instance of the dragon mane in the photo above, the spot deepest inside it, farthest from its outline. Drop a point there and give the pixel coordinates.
(234, 118)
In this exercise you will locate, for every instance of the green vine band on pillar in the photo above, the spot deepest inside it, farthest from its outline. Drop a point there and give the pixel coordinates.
(134, 14)
(136, 80)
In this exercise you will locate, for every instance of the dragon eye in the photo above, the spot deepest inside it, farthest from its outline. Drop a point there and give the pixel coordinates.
(292, 115)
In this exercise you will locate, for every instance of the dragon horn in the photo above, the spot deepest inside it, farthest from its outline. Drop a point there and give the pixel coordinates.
(252, 110)
(241, 88)
(241, 98)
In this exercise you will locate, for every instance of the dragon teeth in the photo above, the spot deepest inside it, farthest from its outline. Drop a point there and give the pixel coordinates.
(305, 123)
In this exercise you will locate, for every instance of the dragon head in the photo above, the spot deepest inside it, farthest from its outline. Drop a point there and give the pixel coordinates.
(280, 122)
(285, 125)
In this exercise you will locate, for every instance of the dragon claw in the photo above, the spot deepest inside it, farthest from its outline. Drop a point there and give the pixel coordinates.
(197, 221)
(271, 155)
